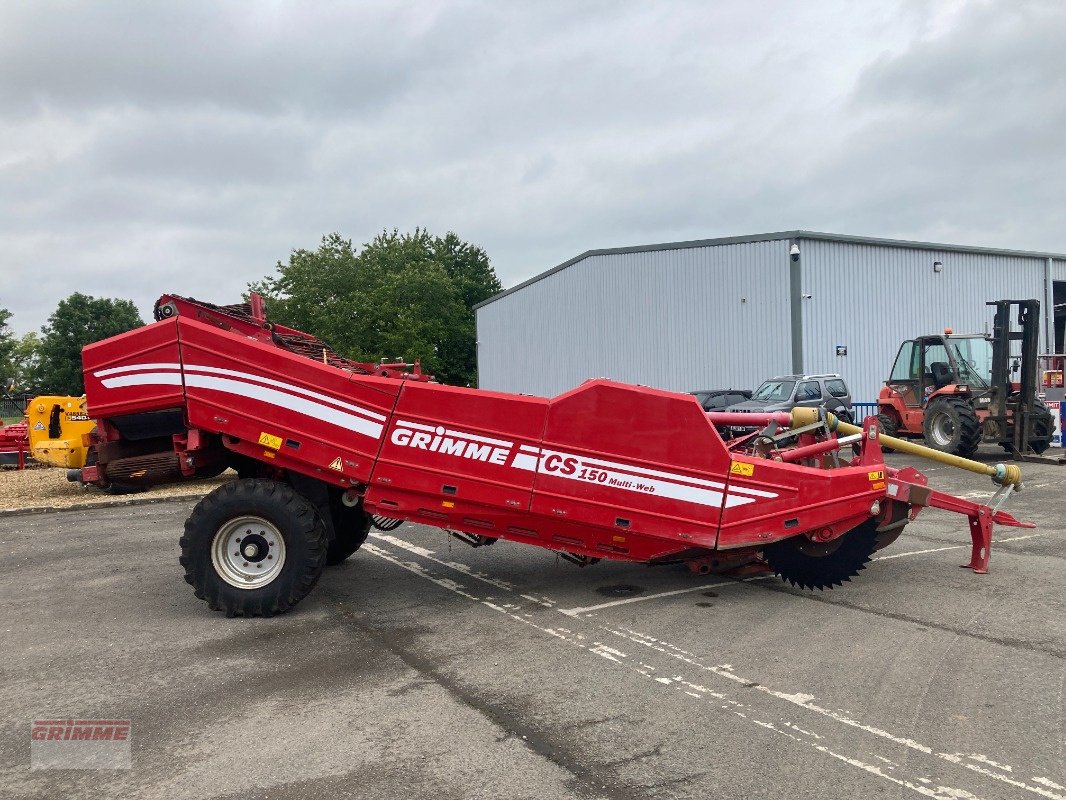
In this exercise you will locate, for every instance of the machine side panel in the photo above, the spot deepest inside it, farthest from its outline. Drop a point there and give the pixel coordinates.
(792, 498)
(459, 457)
(644, 467)
(133, 372)
(315, 418)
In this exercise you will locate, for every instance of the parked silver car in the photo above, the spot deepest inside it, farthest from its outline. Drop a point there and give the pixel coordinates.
(786, 392)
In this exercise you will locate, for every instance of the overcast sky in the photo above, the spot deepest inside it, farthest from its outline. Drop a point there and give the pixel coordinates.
(186, 147)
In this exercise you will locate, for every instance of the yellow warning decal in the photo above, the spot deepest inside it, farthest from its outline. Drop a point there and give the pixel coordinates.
(447, 504)
(269, 440)
(879, 475)
(336, 464)
(877, 485)
(740, 468)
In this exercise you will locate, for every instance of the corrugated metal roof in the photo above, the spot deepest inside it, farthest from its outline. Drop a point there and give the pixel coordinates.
(763, 237)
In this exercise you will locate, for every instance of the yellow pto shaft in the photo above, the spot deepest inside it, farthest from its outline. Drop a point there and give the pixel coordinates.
(1002, 474)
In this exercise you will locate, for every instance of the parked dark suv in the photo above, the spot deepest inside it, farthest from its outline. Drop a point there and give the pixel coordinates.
(719, 399)
(788, 391)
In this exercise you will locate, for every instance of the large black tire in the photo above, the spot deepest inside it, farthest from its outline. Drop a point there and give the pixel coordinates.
(350, 528)
(951, 426)
(888, 425)
(1044, 429)
(253, 548)
(815, 565)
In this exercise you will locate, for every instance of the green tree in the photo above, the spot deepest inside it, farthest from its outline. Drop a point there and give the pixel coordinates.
(77, 321)
(26, 362)
(404, 295)
(8, 342)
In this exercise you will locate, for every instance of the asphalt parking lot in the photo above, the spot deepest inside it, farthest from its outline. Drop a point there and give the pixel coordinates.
(425, 668)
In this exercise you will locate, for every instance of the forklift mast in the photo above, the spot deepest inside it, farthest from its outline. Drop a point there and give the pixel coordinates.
(1006, 406)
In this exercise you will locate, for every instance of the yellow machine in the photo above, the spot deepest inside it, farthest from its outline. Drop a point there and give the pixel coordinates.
(59, 430)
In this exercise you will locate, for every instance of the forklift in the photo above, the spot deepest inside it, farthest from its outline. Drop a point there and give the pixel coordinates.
(957, 391)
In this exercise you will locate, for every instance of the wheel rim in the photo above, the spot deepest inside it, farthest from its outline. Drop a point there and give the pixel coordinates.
(943, 429)
(248, 552)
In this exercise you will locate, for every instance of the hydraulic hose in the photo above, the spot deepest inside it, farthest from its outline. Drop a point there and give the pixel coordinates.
(1002, 474)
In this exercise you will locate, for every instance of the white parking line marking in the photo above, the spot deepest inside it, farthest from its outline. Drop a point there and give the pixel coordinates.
(573, 612)
(749, 713)
(805, 701)
(953, 547)
(1019, 538)
(725, 671)
(920, 552)
(457, 566)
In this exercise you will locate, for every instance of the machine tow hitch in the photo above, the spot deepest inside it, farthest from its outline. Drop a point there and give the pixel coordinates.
(908, 485)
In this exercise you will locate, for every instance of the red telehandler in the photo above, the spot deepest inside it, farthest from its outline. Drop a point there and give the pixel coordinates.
(957, 391)
(322, 445)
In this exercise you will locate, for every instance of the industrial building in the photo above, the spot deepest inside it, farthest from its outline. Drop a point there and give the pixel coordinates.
(730, 312)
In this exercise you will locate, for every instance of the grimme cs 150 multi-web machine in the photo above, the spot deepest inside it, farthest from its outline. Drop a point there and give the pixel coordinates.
(325, 447)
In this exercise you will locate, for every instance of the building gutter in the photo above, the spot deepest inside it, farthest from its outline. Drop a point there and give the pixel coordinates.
(795, 303)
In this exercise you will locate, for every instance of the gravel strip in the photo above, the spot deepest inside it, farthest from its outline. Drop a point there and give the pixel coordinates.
(47, 489)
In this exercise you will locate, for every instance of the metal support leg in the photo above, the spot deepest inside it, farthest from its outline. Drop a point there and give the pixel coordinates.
(981, 534)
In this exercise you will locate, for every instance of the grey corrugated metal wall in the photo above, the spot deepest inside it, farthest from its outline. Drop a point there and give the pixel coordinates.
(701, 317)
(871, 298)
(718, 315)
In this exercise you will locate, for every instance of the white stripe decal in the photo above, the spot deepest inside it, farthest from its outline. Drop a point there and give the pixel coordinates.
(599, 463)
(418, 426)
(646, 486)
(636, 479)
(525, 461)
(288, 401)
(287, 387)
(242, 376)
(144, 379)
(134, 368)
(240, 389)
(749, 490)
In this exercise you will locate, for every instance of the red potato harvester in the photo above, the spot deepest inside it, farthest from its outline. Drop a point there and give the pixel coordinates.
(325, 447)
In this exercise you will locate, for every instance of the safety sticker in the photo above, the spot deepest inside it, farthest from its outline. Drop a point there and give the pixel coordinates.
(877, 485)
(879, 475)
(336, 464)
(740, 468)
(268, 440)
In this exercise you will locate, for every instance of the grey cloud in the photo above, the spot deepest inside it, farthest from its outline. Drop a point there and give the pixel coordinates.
(187, 147)
(263, 58)
(956, 136)
(203, 150)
